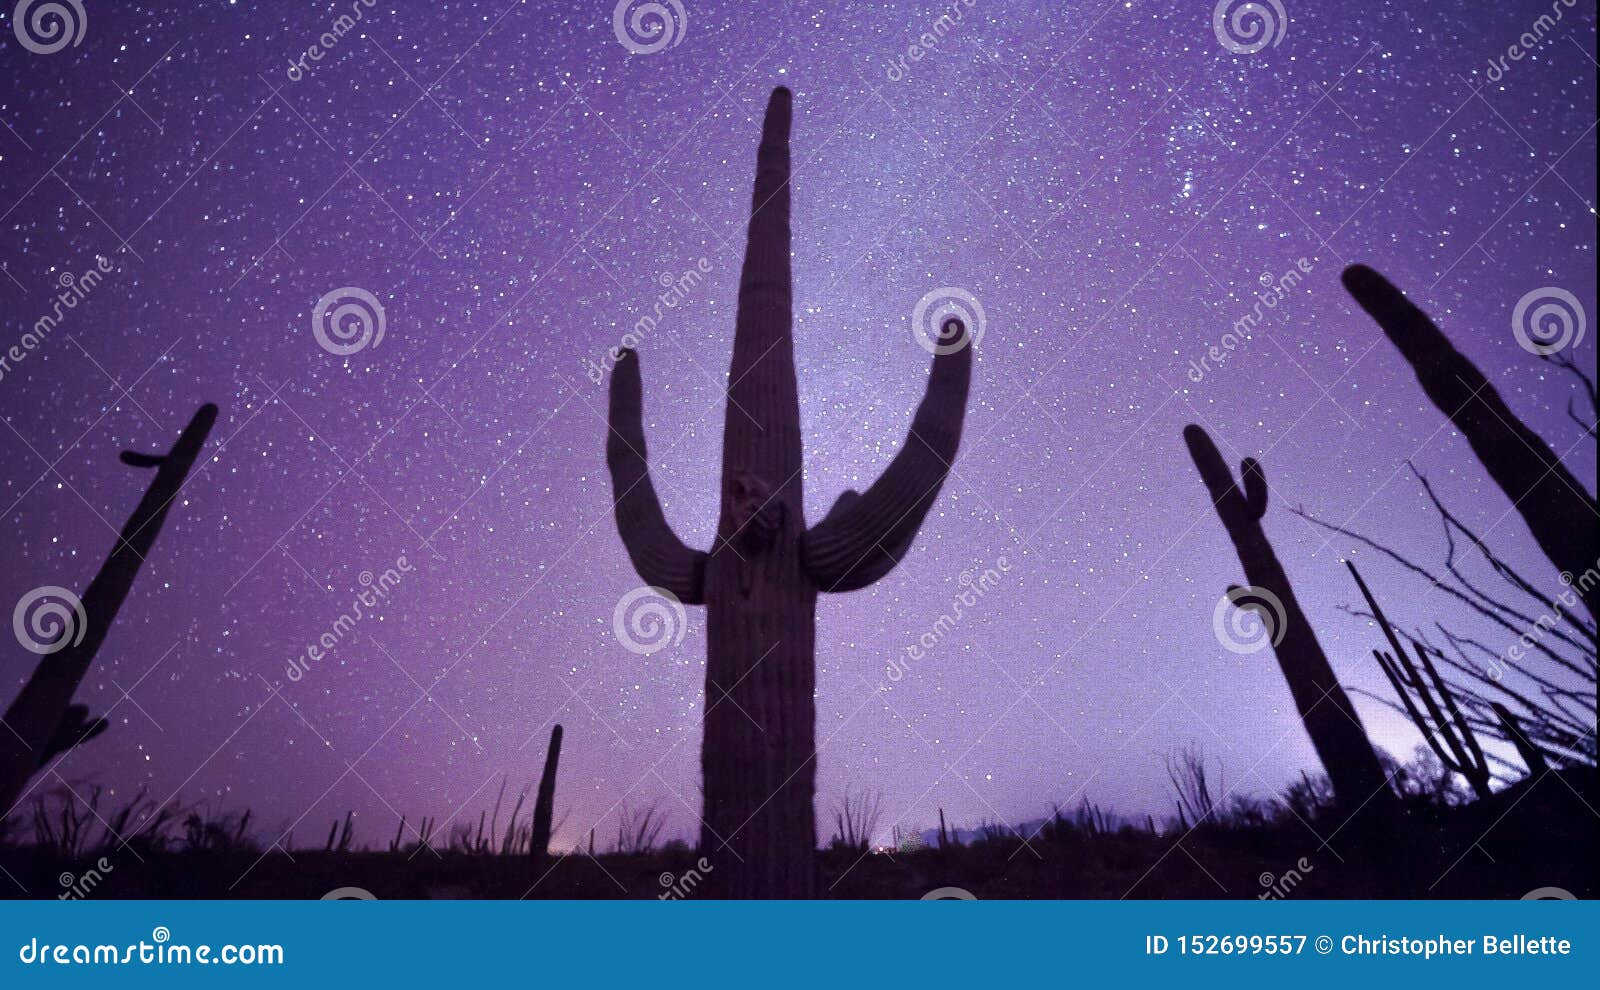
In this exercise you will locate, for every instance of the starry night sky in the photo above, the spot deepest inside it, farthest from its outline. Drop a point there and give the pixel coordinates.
(511, 182)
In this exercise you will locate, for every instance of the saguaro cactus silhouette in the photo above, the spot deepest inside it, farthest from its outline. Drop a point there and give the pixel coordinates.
(544, 803)
(42, 720)
(1330, 719)
(760, 581)
(1551, 500)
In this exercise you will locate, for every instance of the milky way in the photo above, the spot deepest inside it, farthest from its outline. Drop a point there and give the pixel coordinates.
(511, 182)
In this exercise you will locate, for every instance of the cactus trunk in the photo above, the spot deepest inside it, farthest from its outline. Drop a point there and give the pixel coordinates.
(761, 580)
(760, 721)
(43, 710)
(1325, 709)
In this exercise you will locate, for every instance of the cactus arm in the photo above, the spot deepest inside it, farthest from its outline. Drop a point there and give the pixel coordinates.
(109, 589)
(657, 554)
(865, 535)
(76, 728)
(1234, 506)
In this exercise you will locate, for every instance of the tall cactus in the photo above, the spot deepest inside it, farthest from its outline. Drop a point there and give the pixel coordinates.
(1330, 718)
(42, 719)
(761, 579)
(1552, 501)
(544, 803)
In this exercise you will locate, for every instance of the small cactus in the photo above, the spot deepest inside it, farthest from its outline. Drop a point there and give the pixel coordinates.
(544, 802)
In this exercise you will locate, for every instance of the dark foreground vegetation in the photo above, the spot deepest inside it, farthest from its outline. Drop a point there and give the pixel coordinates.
(1535, 836)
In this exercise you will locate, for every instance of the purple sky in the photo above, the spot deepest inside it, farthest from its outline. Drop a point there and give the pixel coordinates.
(510, 182)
